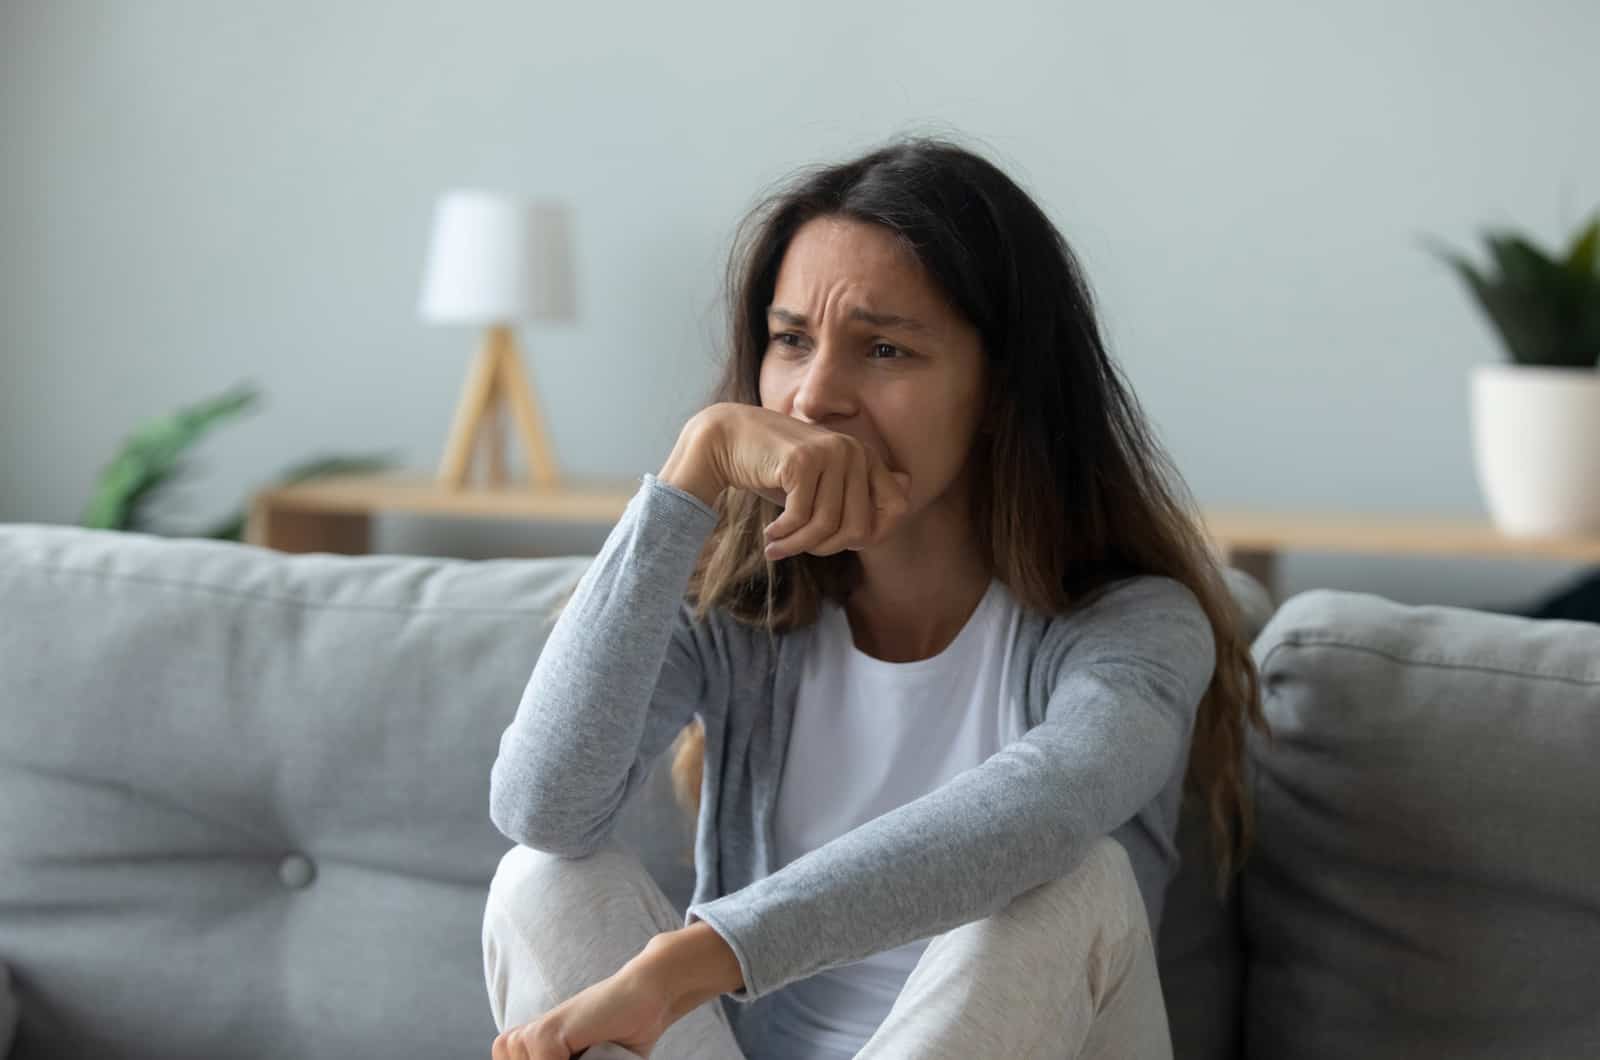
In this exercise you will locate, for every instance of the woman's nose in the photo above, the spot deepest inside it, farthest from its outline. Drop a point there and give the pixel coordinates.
(827, 388)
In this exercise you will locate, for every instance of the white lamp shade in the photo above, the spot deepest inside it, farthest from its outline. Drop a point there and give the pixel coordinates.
(494, 259)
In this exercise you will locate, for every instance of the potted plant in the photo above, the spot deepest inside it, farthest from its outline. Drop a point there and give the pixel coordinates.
(1536, 420)
(151, 461)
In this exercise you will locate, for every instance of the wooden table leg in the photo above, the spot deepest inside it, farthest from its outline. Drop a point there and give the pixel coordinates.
(302, 530)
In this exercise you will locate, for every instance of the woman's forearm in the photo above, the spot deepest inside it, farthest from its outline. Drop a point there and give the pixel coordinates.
(618, 676)
(692, 965)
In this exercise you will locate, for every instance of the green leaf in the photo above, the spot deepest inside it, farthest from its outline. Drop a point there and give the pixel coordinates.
(1469, 274)
(1583, 258)
(1546, 309)
(1521, 263)
(151, 458)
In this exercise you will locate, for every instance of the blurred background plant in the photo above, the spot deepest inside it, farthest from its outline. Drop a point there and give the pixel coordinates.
(1545, 307)
(153, 459)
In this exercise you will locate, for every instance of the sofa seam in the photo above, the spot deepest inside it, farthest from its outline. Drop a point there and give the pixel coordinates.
(219, 590)
(1305, 640)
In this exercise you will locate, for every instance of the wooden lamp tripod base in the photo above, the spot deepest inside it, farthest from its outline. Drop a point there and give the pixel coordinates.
(497, 378)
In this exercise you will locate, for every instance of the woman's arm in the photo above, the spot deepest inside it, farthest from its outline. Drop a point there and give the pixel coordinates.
(693, 964)
(621, 673)
(1129, 672)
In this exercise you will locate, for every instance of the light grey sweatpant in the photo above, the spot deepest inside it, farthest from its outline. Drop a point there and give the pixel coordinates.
(1066, 970)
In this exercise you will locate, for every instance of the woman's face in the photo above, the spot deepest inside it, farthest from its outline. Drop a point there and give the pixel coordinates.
(863, 343)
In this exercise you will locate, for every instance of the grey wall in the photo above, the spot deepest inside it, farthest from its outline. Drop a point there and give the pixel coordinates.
(195, 193)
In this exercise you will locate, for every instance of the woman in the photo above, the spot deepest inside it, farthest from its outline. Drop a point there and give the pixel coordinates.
(953, 650)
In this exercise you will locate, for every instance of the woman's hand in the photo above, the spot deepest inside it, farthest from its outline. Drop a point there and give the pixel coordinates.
(836, 492)
(627, 1008)
(675, 973)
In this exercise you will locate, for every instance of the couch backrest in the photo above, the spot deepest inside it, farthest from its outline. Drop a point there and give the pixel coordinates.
(244, 795)
(1427, 877)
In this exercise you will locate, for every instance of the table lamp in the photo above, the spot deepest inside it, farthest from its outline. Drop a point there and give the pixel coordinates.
(494, 260)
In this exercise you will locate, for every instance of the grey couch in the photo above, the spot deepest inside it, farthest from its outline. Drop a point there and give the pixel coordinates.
(243, 813)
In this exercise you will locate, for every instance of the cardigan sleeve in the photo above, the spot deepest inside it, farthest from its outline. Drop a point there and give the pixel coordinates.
(622, 671)
(1129, 670)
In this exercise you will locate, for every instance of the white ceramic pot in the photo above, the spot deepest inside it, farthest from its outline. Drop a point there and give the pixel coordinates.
(1536, 441)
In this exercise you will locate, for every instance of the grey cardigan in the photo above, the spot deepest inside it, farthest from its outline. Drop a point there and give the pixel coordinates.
(1108, 694)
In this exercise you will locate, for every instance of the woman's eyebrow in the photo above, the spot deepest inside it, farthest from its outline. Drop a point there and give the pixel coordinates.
(882, 320)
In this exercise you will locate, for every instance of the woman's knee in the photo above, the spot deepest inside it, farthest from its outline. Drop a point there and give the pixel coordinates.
(554, 925)
(1077, 936)
(551, 900)
(1100, 899)
(1107, 878)
(527, 878)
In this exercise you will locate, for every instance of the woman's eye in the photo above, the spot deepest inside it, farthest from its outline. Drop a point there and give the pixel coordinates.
(793, 340)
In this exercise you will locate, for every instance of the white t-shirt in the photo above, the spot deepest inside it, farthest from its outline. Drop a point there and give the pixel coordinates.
(869, 736)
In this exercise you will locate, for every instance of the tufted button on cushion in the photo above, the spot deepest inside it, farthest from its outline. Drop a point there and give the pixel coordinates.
(296, 871)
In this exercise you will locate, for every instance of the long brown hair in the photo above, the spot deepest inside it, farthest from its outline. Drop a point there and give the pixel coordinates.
(1072, 491)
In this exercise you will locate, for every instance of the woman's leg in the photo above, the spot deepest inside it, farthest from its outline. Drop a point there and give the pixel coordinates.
(552, 926)
(1067, 971)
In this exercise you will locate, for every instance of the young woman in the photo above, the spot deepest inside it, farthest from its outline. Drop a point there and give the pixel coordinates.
(950, 647)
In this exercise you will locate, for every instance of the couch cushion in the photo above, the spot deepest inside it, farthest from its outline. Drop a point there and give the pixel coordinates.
(1425, 882)
(244, 795)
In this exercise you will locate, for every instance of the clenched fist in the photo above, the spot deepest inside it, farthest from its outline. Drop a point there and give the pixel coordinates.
(837, 493)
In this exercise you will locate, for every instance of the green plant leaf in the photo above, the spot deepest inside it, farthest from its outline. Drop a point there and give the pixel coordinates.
(1546, 310)
(151, 458)
(1470, 276)
(1583, 258)
(1521, 263)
